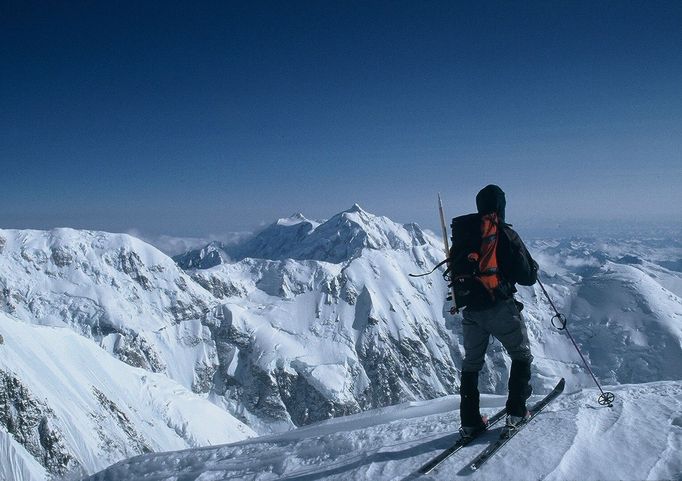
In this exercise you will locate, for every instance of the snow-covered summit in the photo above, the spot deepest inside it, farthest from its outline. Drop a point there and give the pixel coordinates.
(346, 234)
(295, 219)
(338, 239)
(277, 240)
(574, 438)
(212, 254)
(107, 282)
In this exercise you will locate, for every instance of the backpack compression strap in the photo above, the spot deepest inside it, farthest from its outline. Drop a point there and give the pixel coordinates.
(487, 262)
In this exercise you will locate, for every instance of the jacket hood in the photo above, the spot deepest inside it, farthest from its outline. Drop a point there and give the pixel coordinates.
(491, 199)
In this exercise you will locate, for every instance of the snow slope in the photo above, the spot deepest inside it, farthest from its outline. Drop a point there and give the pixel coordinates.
(627, 322)
(639, 438)
(69, 403)
(116, 290)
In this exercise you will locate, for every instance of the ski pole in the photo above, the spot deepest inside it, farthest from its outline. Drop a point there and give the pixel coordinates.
(605, 398)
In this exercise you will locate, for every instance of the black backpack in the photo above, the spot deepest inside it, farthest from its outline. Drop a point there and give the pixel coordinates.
(473, 271)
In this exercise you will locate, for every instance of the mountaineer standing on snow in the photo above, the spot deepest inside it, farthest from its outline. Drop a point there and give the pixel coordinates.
(487, 259)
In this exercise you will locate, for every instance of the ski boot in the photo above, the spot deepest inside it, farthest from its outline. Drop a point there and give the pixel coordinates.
(473, 431)
(512, 422)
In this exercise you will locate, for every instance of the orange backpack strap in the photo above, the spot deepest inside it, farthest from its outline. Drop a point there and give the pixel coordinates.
(487, 263)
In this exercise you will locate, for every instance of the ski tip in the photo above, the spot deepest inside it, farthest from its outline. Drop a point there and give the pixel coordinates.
(559, 388)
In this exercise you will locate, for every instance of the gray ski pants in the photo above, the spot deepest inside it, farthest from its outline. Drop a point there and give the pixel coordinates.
(503, 320)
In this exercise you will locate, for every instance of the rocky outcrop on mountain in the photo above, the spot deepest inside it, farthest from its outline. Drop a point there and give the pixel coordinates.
(34, 426)
(211, 255)
(220, 288)
(111, 410)
(135, 350)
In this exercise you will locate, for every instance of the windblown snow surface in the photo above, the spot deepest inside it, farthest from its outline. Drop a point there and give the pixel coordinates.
(639, 438)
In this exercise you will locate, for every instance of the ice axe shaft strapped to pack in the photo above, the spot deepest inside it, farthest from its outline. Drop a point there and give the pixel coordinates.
(559, 321)
(472, 271)
(446, 244)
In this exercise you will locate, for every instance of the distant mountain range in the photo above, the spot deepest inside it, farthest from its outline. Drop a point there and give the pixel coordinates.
(110, 348)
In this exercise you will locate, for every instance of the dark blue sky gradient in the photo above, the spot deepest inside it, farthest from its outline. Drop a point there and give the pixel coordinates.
(197, 118)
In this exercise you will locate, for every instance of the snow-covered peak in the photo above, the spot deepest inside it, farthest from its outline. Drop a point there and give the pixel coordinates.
(356, 208)
(213, 254)
(115, 289)
(98, 280)
(346, 234)
(277, 240)
(295, 219)
(339, 239)
(63, 243)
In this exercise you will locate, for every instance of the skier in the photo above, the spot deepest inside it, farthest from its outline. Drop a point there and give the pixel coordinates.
(498, 315)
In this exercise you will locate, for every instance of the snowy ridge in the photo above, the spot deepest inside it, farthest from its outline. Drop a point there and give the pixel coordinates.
(336, 240)
(79, 409)
(115, 289)
(639, 438)
(82, 311)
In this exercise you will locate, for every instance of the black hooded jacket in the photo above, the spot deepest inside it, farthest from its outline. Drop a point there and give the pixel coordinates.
(513, 259)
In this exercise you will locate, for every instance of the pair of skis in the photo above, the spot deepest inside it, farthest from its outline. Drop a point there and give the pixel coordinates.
(506, 434)
(496, 445)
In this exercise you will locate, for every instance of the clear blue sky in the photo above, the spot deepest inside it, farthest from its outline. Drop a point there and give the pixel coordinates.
(202, 117)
